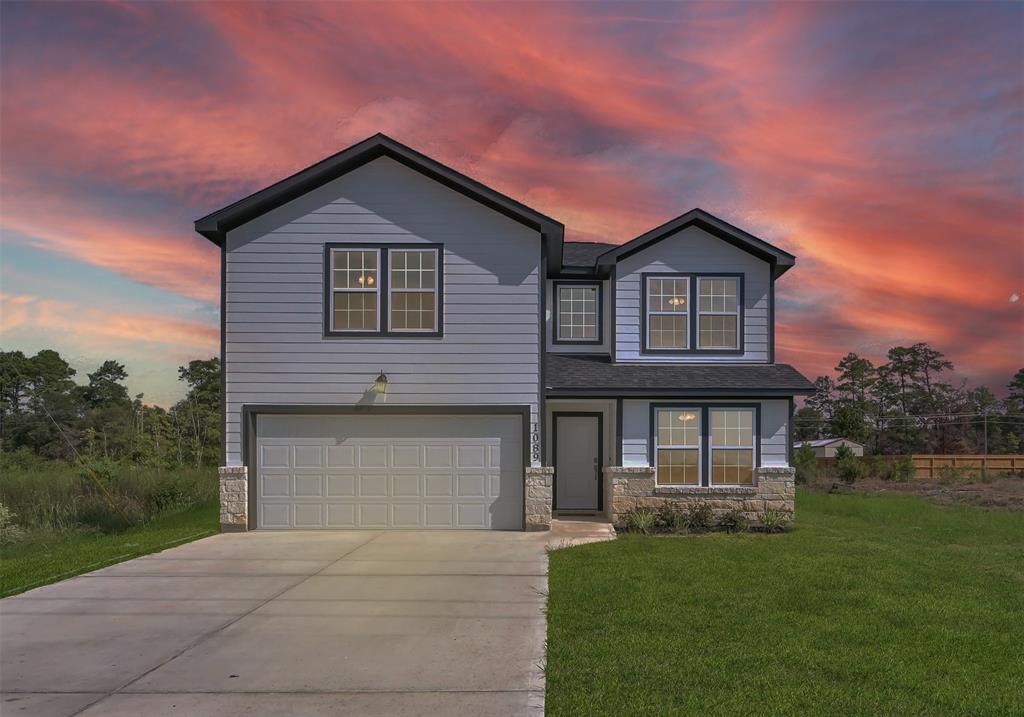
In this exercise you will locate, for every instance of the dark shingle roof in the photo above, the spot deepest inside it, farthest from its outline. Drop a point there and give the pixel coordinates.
(567, 373)
(583, 253)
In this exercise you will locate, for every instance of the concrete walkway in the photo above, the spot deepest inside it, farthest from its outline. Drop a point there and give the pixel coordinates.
(310, 623)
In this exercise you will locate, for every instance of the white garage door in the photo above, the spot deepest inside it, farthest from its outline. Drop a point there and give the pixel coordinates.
(389, 471)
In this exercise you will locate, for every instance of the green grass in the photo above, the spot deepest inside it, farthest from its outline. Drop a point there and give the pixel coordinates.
(27, 565)
(873, 605)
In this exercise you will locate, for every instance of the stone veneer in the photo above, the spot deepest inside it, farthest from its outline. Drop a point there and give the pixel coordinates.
(234, 498)
(631, 487)
(538, 497)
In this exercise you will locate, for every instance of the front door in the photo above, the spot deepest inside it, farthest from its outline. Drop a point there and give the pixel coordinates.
(577, 461)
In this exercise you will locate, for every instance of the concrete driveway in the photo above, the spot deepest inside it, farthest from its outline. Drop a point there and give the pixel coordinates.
(298, 623)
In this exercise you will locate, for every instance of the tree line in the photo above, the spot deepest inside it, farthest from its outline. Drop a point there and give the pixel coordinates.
(43, 410)
(908, 404)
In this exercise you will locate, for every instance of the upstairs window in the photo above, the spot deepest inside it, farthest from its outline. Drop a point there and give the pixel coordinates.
(718, 312)
(578, 313)
(668, 313)
(355, 290)
(413, 289)
(386, 291)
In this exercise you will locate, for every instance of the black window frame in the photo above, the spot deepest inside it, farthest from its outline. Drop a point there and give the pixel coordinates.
(705, 438)
(555, 313)
(384, 304)
(692, 314)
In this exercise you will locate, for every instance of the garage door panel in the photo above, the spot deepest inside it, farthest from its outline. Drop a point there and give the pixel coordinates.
(341, 486)
(389, 472)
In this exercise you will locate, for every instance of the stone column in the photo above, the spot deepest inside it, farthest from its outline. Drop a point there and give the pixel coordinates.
(626, 487)
(538, 497)
(234, 498)
(776, 488)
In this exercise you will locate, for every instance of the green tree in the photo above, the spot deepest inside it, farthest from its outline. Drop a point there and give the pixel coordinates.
(197, 416)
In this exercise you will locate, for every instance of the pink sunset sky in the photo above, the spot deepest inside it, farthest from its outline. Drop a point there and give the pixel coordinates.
(883, 144)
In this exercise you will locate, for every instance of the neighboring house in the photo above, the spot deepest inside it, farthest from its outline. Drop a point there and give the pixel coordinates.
(404, 347)
(827, 447)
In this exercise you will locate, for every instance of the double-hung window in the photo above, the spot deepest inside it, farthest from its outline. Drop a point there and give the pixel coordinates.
(677, 446)
(355, 290)
(718, 312)
(578, 313)
(732, 446)
(385, 291)
(412, 290)
(668, 313)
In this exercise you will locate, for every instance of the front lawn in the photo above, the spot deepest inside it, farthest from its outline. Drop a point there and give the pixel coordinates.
(872, 605)
(28, 565)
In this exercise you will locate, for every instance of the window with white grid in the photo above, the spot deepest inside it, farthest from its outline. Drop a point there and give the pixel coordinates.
(578, 313)
(355, 289)
(412, 289)
(668, 325)
(677, 446)
(732, 446)
(718, 312)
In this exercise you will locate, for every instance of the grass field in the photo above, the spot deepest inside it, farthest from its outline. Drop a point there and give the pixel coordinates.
(28, 565)
(873, 605)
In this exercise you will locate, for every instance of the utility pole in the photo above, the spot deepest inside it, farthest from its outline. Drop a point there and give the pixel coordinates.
(984, 457)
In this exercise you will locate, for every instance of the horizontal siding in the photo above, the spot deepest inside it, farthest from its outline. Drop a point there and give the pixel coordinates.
(275, 349)
(636, 429)
(693, 251)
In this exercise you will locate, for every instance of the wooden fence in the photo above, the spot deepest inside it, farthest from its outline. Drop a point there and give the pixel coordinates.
(939, 466)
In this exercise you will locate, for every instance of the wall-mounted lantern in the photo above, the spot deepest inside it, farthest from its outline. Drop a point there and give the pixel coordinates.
(380, 384)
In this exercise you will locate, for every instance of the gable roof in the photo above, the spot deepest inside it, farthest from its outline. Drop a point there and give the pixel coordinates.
(820, 442)
(779, 259)
(216, 225)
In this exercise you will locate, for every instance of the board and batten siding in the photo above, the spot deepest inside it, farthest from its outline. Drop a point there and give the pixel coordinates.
(636, 428)
(275, 350)
(692, 250)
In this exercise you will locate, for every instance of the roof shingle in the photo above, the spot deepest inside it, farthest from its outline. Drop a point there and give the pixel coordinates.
(570, 373)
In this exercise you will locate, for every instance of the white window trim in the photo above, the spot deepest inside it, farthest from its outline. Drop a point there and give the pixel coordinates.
(736, 313)
(699, 447)
(647, 319)
(752, 447)
(376, 290)
(597, 314)
(436, 290)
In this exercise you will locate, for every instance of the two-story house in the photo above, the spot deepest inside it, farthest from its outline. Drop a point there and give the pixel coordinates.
(404, 347)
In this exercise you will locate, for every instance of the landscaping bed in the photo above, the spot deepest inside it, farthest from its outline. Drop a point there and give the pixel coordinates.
(872, 604)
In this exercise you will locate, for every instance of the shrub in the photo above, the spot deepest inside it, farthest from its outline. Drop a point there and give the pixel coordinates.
(848, 467)
(699, 518)
(10, 531)
(732, 522)
(952, 474)
(641, 520)
(774, 521)
(900, 469)
(671, 518)
(806, 464)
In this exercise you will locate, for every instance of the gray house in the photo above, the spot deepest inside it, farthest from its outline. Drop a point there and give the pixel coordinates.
(404, 347)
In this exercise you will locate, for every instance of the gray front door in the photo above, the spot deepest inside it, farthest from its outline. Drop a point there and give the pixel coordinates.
(577, 461)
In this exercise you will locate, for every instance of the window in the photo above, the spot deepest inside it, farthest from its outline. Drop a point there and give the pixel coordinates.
(668, 321)
(578, 313)
(355, 290)
(718, 312)
(413, 289)
(677, 446)
(391, 290)
(732, 446)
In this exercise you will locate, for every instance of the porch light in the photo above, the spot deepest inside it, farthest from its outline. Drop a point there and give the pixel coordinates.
(380, 384)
